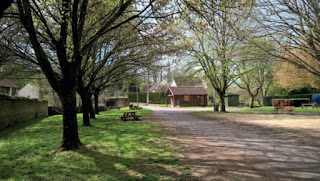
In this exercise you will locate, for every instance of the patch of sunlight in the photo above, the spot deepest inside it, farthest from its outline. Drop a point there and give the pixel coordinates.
(119, 166)
(133, 173)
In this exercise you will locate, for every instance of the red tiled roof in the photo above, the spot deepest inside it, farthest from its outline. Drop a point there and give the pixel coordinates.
(187, 91)
(7, 83)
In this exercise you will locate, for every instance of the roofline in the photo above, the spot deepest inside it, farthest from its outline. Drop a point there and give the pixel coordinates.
(169, 88)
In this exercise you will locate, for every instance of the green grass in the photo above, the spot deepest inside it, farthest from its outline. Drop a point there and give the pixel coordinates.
(114, 150)
(270, 108)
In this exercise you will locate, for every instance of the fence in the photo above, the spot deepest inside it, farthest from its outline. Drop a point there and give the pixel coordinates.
(154, 97)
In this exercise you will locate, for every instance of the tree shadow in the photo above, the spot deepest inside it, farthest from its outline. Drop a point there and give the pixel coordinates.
(126, 168)
(20, 125)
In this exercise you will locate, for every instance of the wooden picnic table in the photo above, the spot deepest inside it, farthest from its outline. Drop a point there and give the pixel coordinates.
(127, 114)
(135, 107)
(306, 105)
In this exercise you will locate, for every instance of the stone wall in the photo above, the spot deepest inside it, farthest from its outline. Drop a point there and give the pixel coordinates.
(14, 110)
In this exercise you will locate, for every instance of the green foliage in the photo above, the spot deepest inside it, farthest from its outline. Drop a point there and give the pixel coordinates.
(111, 102)
(304, 90)
(276, 90)
(114, 150)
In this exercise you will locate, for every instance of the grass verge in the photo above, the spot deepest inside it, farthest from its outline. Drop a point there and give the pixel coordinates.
(271, 108)
(114, 150)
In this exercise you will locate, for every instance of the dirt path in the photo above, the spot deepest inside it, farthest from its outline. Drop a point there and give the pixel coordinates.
(216, 151)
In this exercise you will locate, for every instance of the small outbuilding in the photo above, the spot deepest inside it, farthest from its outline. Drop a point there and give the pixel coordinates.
(187, 96)
(8, 88)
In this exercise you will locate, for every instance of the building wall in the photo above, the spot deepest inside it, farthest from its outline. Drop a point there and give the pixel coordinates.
(8, 91)
(232, 100)
(12, 111)
(29, 91)
(193, 101)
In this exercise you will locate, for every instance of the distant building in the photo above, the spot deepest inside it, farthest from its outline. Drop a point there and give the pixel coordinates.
(33, 91)
(30, 91)
(8, 88)
(157, 87)
(187, 96)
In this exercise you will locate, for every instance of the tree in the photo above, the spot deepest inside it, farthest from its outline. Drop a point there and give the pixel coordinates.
(58, 35)
(294, 25)
(4, 5)
(255, 70)
(211, 39)
(289, 76)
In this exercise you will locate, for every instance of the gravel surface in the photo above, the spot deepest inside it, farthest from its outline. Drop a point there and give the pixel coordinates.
(218, 151)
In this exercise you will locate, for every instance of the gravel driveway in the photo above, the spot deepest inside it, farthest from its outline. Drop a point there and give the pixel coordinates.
(217, 151)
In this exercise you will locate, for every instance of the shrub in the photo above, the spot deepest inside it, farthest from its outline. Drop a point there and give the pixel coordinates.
(299, 101)
(101, 107)
(111, 102)
(282, 102)
(304, 90)
(54, 110)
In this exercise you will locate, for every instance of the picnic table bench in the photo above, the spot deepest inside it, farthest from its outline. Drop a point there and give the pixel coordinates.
(306, 105)
(289, 108)
(127, 114)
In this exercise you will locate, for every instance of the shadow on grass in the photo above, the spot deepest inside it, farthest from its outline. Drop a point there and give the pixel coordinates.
(125, 168)
(19, 125)
(114, 150)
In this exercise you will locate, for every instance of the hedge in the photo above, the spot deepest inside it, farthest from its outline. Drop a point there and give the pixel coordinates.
(154, 97)
(268, 99)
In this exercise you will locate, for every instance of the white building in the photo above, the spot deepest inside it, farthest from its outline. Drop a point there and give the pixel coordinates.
(30, 91)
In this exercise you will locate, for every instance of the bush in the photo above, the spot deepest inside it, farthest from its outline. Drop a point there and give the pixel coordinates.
(101, 107)
(304, 90)
(297, 102)
(54, 110)
(111, 102)
(282, 102)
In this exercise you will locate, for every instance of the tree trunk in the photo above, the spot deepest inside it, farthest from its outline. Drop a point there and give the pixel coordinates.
(85, 109)
(96, 103)
(222, 103)
(92, 114)
(70, 140)
(251, 101)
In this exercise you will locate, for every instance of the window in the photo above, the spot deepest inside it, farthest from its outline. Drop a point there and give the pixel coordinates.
(186, 98)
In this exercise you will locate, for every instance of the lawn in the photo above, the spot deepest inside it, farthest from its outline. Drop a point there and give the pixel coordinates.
(270, 108)
(114, 150)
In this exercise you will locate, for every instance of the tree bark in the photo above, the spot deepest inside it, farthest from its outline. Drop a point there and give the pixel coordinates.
(222, 103)
(251, 101)
(96, 103)
(92, 114)
(85, 109)
(70, 140)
